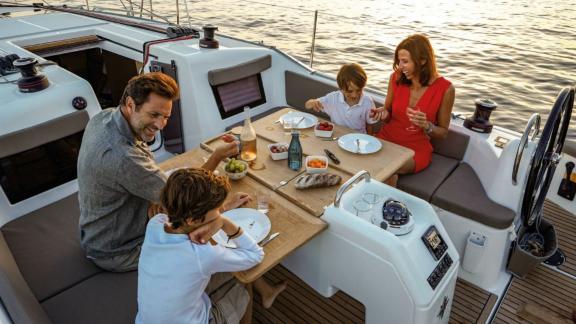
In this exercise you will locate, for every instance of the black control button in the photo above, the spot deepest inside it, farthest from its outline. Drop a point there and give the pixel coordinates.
(79, 103)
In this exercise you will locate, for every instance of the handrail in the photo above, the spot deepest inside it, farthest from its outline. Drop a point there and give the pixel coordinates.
(533, 123)
(361, 175)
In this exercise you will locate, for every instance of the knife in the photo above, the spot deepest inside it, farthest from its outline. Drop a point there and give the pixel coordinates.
(270, 238)
(332, 156)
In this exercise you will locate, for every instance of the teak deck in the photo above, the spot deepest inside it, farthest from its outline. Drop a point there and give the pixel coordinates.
(301, 304)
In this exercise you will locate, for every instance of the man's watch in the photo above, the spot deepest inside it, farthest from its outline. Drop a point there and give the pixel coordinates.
(429, 128)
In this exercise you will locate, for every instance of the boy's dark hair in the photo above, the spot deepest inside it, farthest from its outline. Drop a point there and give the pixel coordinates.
(191, 193)
(140, 87)
(351, 72)
(422, 54)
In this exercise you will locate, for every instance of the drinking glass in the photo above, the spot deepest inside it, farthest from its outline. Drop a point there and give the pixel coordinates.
(363, 209)
(287, 124)
(371, 198)
(262, 203)
(412, 127)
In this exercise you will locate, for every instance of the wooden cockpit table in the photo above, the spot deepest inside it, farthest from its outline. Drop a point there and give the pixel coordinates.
(295, 225)
(381, 164)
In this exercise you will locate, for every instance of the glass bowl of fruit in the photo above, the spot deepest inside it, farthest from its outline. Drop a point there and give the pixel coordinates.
(236, 169)
(278, 151)
(324, 129)
(316, 164)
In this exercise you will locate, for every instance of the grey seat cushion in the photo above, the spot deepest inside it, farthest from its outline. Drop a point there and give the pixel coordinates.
(425, 183)
(463, 194)
(45, 245)
(453, 146)
(105, 298)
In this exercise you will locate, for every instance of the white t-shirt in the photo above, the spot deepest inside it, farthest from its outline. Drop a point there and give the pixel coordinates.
(354, 117)
(173, 273)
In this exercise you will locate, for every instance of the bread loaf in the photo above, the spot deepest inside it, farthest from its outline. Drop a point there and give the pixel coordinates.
(317, 180)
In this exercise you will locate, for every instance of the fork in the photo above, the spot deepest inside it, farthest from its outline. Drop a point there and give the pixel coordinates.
(357, 146)
(330, 138)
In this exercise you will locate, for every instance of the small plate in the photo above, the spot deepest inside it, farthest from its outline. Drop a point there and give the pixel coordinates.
(359, 143)
(294, 116)
(252, 222)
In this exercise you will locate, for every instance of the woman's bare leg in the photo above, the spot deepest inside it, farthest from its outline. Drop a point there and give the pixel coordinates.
(407, 168)
(268, 292)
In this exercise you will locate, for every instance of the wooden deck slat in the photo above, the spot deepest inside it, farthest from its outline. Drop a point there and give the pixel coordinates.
(565, 225)
(356, 307)
(299, 303)
(543, 287)
(330, 305)
(554, 293)
(308, 307)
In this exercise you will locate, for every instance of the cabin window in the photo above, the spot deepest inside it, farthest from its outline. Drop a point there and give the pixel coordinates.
(232, 97)
(28, 173)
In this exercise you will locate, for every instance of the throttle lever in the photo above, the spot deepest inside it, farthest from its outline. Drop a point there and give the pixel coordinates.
(569, 168)
(567, 187)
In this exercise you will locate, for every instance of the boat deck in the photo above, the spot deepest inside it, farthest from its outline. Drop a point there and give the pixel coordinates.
(565, 225)
(543, 290)
(301, 304)
(546, 291)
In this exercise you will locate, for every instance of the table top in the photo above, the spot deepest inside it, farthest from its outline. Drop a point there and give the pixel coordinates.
(278, 177)
(295, 225)
(381, 164)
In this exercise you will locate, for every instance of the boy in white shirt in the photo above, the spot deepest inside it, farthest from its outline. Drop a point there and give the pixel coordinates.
(348, 106)
(180, 281)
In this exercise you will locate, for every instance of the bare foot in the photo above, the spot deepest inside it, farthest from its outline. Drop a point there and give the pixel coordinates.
(271, 295)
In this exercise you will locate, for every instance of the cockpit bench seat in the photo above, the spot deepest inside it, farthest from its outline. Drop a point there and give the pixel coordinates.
(447, 155)
(425, 183)
(453, 185)
(463, 194)
(46, 278)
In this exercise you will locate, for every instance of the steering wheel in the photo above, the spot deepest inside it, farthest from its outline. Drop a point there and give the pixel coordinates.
(546, 157)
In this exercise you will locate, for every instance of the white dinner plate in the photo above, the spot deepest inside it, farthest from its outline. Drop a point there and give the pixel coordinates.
(295, 116)
(359, 143)
(253, 222)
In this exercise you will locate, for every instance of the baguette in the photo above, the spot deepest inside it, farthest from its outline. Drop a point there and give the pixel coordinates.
(308, 181)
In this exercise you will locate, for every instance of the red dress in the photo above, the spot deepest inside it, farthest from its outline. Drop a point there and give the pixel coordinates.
(395, 130)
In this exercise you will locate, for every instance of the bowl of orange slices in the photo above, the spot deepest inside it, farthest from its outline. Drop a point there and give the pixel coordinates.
(316, 164)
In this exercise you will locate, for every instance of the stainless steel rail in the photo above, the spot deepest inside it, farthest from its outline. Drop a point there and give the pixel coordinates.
(533, 123)
(361, 175)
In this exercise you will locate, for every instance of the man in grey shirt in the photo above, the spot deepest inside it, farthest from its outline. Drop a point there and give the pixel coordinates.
(118, 180)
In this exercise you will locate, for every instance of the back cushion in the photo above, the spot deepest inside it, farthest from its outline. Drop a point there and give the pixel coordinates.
(454, 146)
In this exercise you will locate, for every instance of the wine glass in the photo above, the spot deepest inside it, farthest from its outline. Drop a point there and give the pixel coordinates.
(412, 127)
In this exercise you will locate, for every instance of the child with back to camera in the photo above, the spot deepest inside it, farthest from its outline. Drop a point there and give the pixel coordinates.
(349, 106)
(182, 281)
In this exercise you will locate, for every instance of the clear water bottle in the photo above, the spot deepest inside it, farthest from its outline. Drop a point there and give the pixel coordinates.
(295, 152)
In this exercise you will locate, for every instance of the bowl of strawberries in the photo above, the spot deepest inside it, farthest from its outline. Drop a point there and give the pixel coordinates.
(278, 151)
(324, 129)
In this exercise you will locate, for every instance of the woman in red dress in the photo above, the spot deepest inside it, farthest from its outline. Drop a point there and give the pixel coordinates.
(418, 103)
